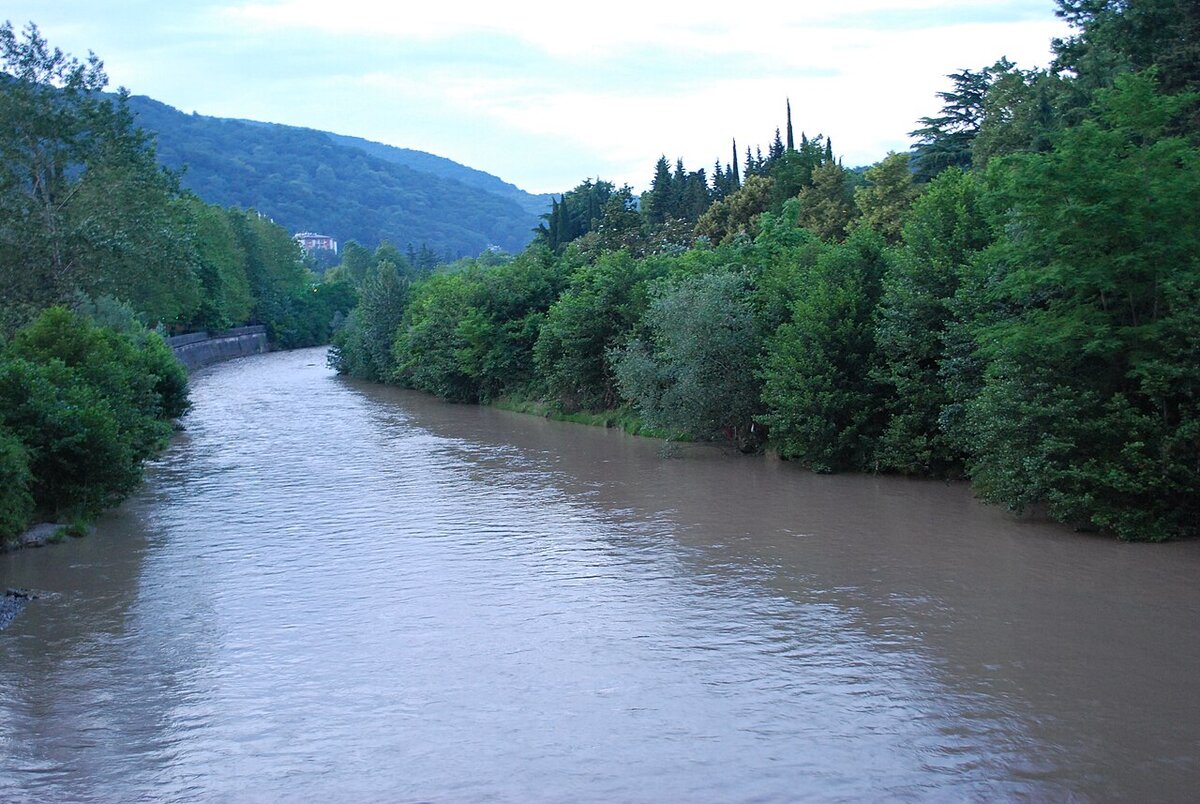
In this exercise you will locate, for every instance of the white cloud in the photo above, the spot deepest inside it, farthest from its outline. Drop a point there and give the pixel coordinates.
(583, 31)
(544, 94)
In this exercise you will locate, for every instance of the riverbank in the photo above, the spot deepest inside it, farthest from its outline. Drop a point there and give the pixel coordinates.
(198, 349)
(621, 418)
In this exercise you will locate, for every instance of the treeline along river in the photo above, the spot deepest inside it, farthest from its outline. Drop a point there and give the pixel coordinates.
(333, 590)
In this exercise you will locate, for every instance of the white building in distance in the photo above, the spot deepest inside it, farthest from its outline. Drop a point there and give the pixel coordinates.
(311, 241)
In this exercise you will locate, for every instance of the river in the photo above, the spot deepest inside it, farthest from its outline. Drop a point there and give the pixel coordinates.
(328, 590)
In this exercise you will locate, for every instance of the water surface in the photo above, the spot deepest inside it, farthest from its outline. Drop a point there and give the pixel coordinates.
(336, 591)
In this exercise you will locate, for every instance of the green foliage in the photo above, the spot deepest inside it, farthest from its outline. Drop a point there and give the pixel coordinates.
(134, 224)
(946, 141)
(784, 255)
(79, 457)
(1022, 111)
(822, 405)
(601, 304)
(1117, 36)
(680, 195)
(510, 304)
(946, 229)
(694, 374)
(297, 308)
(226, 299)
(577, 212)
(737, 214)
(620, 227)
(353, 189)
(883, 203)
(827, 203)
(83, 205)
(88, 405)
(792, 170)
(1090, 395)
(469, 336)
(427, 349)
(16, 503)
(110, 364)
(1032, 322)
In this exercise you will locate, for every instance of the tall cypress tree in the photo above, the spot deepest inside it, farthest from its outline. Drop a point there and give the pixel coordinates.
(737, 180)
(791, 140)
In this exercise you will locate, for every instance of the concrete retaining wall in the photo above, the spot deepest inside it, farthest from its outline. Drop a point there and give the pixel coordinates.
(199, 349)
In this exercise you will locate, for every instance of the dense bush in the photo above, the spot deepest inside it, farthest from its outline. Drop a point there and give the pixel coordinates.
(16, 503)
(695, 373)
(81, 408)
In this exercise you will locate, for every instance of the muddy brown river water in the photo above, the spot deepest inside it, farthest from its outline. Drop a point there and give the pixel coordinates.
(334, 591)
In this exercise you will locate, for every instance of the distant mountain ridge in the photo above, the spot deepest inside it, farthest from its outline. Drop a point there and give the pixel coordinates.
(346, 187)
(448, 168)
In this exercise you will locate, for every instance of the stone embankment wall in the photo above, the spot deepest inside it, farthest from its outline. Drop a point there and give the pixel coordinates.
(204, 348)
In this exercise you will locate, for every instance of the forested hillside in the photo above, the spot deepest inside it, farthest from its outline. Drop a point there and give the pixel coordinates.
(348, 188)
(447, 168)
(1016, 302)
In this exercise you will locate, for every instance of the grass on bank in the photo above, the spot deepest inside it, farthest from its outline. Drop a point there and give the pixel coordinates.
(623, 418)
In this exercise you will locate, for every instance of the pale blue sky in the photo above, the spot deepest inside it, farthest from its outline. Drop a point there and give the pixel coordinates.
(544, 94)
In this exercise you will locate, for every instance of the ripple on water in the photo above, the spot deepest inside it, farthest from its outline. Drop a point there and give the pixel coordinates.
(329, 590)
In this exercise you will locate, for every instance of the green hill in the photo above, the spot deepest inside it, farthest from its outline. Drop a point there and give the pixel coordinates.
(349, 188)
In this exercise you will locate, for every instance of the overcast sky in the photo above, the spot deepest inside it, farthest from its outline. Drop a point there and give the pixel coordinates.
(545, 94)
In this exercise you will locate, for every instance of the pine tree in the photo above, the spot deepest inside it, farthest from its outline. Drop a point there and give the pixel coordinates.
(946, 140)
(658, 200)
(776, 148)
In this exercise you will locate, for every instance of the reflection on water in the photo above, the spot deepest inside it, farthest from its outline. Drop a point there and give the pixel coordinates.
(331, 590)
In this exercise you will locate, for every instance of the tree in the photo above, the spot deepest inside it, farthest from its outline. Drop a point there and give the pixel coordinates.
(619, 226)
(575, 213)
(357, 261)
(1090, 402)
(1115, 36)
(220, 268)
(279, 282)
(602, 303)
(83, 204)
(695, 373)
(823, 406)
(738, 214)
(945, 230)
(791, 139)
(16, 503)
(657, 202)
(827, 204)
(946, 140)
(1021, 112)
(792, 170)
(382, 300)
(89, 404)
(47, 104)
(888, 194)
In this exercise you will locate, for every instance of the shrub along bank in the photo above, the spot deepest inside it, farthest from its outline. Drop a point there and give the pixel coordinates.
(1027, 317)
(82, 406)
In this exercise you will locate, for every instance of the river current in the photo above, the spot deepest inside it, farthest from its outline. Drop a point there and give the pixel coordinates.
(329, 590)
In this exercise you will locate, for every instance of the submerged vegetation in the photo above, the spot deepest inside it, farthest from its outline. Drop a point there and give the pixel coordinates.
(1016, 302)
